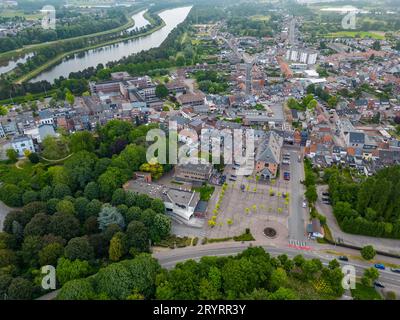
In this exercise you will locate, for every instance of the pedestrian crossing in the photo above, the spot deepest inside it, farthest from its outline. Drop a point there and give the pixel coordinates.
(298, 244)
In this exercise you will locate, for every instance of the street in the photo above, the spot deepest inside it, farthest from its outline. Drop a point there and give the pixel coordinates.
(168, 259)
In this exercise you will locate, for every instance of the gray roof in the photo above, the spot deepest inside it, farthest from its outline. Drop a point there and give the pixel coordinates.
(357, 137)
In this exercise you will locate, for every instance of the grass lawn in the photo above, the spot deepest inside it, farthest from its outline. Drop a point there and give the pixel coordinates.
(260, 17)
(206, 192)
(19, 13)
(362, 292)
(356, 34)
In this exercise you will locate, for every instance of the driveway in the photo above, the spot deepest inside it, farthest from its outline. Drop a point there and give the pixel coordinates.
(387, 245)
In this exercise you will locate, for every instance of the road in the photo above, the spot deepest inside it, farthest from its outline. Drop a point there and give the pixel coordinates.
(297, 212)
(168, 259)
(291, 36)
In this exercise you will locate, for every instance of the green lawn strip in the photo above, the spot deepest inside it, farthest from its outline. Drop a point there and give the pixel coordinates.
(206, 192)
(362, 292)
(355, 34)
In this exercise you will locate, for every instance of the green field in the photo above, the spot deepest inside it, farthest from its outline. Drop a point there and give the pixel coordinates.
(18, 13)
(362, 292)
(356, 34)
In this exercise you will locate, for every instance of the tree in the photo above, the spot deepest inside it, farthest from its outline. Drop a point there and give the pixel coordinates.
(133, 213)
(156, 169)
(78, 289)
(54, 148)
(50, 254)
(376, 45)
(82, 141)
(118, 197)
(20, 289)
(69, 97)
(278, 279)
(114, 281)
(64, 225)
(161, 91)
(93, 208)
(80, 205)
(12, 155)
(368, 252)
(69, 270)
(33, 157)
(110, 180)
(30, 250)
(118, 246)
(92, 190)
(161, 227)
(283, 294)
(158, 206)
(80, 168)
(369, 276)
(38, 226)
(137, 236)
(79, 248)
(61, 190)
(65, 206)
(110, 215)
(29, 196)
(11, 195)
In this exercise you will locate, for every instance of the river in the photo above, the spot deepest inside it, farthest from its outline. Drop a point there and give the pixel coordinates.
(13, 62)
(92, 58)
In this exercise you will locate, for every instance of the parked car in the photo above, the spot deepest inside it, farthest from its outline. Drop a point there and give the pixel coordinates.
(379, 266)
(304, 204)
(343, 258)
(395, 270)
(378, 284)
(327, 202)
(286, 175)
(325, 194)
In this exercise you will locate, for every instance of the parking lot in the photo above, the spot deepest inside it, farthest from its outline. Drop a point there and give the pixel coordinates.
(248, 202)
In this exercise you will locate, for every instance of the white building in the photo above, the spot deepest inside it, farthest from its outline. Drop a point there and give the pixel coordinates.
(22, 143)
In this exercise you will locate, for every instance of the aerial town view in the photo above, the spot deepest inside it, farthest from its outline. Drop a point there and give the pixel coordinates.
(200, 150)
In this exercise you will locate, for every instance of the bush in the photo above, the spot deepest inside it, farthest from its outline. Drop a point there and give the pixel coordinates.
(368, 252)
(33, 158)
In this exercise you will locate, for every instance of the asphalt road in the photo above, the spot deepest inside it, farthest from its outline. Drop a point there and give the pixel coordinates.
(297, 212)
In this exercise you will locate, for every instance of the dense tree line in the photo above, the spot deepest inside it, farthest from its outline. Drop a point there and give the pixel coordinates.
(69, 27)
(252, 274)
(76, 216)
(370, 207)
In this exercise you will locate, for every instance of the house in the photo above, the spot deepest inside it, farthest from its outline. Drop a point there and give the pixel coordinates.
(46, 117)
(268, 156)
(314, 229)
(46, 130)
(22, 143)
(193, 172)
(191, 99)
(181, 203)
(355, 139)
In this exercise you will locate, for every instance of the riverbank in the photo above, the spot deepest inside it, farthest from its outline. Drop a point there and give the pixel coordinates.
(34, 73)
(29, 48)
